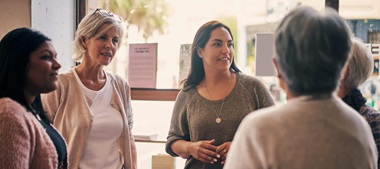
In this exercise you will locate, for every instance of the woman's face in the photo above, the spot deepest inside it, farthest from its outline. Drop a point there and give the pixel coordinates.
(42, 70)
(218, 52)
(102, 47)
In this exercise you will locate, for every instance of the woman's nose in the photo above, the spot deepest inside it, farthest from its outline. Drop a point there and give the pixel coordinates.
(109, 44)
(56, 64)
(225, 49)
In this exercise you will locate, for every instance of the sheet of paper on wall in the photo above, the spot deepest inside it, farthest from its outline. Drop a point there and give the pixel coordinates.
(184, 61)
(142, 69)
(264, 54)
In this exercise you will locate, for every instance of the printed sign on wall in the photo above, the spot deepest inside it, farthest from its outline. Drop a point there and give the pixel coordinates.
(142, 71)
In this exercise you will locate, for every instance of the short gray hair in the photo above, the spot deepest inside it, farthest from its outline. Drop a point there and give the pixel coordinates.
(360, 65)
(89, 27)
(311, 49)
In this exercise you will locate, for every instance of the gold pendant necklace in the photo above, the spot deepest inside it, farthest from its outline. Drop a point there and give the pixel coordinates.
(218, 119)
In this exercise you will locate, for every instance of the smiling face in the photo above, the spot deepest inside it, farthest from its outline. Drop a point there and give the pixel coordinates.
(218, 52)
(42, 70)
(102, 47)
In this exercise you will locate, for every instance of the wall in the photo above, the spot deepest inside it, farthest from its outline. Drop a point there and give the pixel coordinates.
(14, 14)
(56, 19)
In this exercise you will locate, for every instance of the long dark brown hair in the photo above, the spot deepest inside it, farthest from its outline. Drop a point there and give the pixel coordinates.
(197, 72)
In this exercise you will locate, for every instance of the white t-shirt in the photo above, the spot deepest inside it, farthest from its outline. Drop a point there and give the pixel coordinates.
(102, 150)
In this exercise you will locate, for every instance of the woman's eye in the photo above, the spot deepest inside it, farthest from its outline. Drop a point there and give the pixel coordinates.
(231, 45)
(216, 44)
(102, 38)
(115, 40)
(46, 57)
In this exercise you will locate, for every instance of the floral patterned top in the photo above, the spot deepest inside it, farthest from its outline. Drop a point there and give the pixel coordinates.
(356, 100)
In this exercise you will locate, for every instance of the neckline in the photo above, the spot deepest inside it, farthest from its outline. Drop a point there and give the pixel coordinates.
(228, 95)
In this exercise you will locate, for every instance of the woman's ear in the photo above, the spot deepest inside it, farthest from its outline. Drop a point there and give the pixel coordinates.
(274, 60)
(83, 41)
(344, 73)
(281, 80)
(200, 52)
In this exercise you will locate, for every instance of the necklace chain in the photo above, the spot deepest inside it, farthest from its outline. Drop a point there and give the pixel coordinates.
(218, 119)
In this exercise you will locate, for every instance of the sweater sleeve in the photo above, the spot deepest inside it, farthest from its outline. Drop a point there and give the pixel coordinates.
(15, 136)
(262, 95)
(129, 106)
(179, 129)
(125, 93)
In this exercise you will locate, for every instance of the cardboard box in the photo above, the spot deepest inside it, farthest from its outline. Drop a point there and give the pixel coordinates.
(163, 161)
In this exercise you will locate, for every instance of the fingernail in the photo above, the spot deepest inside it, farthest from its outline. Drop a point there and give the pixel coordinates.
(215, 160)
(212, 162)
(218, 156)
(222, 162)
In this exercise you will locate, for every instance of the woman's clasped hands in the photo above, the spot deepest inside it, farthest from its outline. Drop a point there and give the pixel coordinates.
(207, 152)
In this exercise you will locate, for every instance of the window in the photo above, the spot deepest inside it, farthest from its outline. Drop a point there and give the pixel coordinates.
(364, 20)
(245, 17)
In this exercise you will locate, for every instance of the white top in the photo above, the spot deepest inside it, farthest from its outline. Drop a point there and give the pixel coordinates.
(304, 133)
(102, 149)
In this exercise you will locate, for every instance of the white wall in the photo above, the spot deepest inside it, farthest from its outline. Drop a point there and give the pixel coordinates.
(56, 19)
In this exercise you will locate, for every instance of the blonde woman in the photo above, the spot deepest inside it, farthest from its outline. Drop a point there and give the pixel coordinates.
(92, 108)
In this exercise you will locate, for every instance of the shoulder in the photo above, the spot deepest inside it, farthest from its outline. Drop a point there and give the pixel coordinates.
(260, 125)
(186, 95)
(117, 79)
(249, 81)
(9, 105)
(66, 77)
(264, 117)
(12, 113)
(67, 74)
(369, 113)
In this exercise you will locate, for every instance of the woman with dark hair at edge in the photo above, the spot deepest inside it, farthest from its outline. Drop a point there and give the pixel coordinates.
(28, 67)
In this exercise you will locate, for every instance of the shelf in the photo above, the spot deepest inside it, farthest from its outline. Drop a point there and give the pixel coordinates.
(150, 141)
(154, 94)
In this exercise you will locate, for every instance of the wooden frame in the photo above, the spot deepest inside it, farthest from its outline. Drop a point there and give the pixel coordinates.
(160, 94)
(333, 4)
(80, 11)
(154, 94)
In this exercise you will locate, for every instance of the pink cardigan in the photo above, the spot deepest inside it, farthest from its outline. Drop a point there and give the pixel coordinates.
(24, 142)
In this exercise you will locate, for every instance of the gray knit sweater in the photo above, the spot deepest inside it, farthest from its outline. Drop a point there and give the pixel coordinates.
(193, 117)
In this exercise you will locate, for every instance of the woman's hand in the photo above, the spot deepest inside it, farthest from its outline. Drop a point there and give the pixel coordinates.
(204, 151)
(222, 150)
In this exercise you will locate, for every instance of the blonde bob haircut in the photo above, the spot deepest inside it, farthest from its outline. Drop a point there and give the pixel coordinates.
(89, 27)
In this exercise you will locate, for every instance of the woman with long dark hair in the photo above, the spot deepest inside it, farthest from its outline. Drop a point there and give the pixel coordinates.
(28, 67)
(215, 98)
